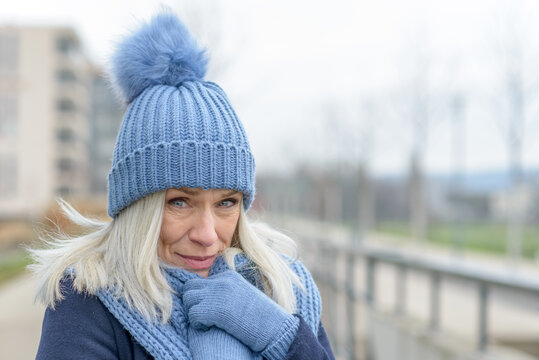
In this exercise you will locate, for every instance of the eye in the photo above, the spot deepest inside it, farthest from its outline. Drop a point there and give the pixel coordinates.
(228, 203)
(180, 202)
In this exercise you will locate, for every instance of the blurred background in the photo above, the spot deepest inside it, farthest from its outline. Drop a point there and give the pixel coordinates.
(394, 140)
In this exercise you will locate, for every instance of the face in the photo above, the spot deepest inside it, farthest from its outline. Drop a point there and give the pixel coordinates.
(197, 225)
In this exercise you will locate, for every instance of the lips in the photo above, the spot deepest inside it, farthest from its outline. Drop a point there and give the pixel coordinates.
(198, 262)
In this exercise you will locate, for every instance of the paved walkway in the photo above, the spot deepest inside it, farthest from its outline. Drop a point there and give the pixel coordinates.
(20, 320)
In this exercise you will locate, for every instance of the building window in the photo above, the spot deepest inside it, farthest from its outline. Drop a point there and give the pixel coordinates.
(8, 179)
(65, 165)
(63, 191)
(9, 52)
(65, 105)
(8, 115)
(66, 44)
(66, 76)
(65, 135)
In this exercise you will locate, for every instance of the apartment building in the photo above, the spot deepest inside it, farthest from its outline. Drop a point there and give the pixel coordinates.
(105, 119)
(44, 127)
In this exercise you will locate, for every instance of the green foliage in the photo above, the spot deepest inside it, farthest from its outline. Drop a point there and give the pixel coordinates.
(485, 237)
(12, 264)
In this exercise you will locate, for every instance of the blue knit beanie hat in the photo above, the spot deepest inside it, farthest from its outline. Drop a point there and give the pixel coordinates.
(178, 130)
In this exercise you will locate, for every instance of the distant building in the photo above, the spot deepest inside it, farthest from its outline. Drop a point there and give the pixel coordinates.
(105, 118)
(44, 112)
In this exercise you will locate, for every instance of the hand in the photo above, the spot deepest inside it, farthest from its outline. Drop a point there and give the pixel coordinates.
(229, 302)
(216, 344)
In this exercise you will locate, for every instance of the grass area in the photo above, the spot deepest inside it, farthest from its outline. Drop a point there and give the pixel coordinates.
(17, 232)
(12, 264)
(488, 237)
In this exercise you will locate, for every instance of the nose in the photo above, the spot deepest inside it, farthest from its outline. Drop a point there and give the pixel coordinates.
(203, 230)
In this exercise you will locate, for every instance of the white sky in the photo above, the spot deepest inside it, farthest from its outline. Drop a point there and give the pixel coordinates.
(290, 65)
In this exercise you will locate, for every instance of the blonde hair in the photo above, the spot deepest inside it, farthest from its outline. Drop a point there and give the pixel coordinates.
(121, 255)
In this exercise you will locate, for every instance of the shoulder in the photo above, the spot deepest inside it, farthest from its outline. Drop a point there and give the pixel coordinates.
(77, 310)
(77, 304)
(81, 327)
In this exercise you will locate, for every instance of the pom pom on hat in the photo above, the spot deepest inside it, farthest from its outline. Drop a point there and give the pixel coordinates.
(161, 52)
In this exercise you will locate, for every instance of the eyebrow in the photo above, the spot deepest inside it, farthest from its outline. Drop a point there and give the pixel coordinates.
(188, 191)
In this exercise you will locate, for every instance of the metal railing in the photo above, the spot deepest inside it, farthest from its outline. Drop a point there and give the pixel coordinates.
(328, 255)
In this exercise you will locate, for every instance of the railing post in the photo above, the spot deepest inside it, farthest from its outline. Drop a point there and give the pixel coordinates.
(332, 266)
(370, 281)
(434, 301)
(370, 298)
(400, 291)
(351, 305)
(483, 313)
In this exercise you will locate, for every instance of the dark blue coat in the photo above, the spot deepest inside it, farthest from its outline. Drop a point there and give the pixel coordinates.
(82, 328)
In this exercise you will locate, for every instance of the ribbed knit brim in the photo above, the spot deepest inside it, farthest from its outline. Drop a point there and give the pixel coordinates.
(173, 137)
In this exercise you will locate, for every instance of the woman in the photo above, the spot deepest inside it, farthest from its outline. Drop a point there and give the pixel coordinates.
(180, 272)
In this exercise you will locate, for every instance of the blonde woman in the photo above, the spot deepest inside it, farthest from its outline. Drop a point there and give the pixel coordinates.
(179, 272)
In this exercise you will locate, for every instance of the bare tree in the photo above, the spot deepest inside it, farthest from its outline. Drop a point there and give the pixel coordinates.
(457, 110)
(422, 104)
(365, 144)
(213, 28)
(419, 115)
(516, 53)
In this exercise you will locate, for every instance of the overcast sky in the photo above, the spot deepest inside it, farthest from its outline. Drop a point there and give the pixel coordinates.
(333, 81)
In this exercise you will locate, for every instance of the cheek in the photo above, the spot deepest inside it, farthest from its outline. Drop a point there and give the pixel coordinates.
(163, 237)
(228, 227)
(168, 232)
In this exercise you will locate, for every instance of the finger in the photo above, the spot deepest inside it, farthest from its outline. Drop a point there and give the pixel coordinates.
(199, 326)
(192, 297)
(199, 317)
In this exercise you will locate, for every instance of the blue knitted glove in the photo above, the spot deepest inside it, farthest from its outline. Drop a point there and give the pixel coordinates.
(229, 302)
(216, 344)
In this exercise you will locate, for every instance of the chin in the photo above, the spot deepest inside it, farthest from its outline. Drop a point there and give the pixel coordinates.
(203, 273)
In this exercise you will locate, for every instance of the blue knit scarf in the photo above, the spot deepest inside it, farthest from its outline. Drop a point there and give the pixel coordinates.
(169, 341)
